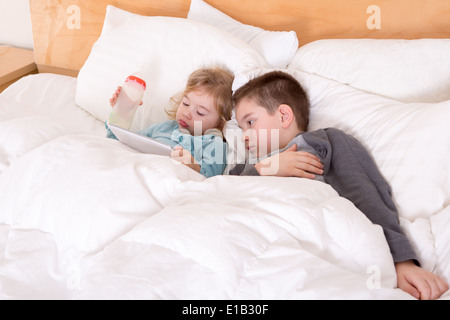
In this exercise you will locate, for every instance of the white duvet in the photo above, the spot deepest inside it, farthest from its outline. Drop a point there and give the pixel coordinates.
(126, 225)
(85, 217)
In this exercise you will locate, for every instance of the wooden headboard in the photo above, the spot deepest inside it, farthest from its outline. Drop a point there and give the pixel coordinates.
(65, 30)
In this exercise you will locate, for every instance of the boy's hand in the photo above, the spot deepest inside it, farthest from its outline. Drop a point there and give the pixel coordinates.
(114, 97)
(291, 163)
(419, 282)
(185, 157)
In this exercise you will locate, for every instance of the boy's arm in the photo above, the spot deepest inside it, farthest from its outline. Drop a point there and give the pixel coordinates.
(350, 169)
(352, 172)
(289, 163)
(418, 282)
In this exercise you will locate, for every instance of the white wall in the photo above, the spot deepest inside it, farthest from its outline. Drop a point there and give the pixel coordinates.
(15, 24)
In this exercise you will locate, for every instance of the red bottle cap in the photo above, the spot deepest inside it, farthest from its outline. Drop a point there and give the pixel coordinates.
(136, 79)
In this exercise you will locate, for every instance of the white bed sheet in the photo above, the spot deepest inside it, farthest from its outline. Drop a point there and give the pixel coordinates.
(85, 217)
(37, 109)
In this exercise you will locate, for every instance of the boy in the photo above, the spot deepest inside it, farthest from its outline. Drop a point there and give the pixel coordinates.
(273, 111)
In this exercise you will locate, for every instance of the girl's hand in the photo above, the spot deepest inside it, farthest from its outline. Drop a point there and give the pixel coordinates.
(291, 163)
(185, 157)
(114, 97)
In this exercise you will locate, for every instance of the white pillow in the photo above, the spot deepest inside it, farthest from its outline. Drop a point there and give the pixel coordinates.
(277, 47)
(405, 70)
(410, 142)
(164, 51)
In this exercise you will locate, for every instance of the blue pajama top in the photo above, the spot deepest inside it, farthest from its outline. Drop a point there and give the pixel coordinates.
(209, 150)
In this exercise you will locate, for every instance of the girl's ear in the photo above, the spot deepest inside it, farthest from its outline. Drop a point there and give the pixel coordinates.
(286, 115)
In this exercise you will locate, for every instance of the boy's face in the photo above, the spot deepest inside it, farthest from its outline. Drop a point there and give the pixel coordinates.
(261, 129)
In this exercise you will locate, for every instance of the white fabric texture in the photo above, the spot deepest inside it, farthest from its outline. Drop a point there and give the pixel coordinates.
(38, 109)
(277, 47)
(410, 142)
(405, 70)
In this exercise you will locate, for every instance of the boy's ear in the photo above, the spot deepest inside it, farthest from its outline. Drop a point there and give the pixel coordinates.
(286, 115)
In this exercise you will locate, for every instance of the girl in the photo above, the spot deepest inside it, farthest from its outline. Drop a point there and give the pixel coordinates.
(197, 120)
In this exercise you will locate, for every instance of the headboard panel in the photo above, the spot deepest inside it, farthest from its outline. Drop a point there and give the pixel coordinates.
(65, 30)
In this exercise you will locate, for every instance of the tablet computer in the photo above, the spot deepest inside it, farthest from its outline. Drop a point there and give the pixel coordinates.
(140, 142)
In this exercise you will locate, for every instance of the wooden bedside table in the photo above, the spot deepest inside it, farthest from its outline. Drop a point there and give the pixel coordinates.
(14, 64)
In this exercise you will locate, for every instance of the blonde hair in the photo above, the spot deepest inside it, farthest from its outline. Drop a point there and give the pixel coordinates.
(214, 81)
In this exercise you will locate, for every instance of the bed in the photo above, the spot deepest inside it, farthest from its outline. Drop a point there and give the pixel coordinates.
(86, 217)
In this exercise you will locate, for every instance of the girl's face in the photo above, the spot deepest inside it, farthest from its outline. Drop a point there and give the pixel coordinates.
(196, 113)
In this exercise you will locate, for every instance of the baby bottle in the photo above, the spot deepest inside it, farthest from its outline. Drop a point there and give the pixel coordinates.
(127, 102)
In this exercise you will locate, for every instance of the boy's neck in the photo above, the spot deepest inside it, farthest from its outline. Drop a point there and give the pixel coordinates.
(288, 135)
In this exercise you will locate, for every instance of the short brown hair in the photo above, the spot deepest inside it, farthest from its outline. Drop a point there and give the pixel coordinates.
(217, 82)
(273, 89)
